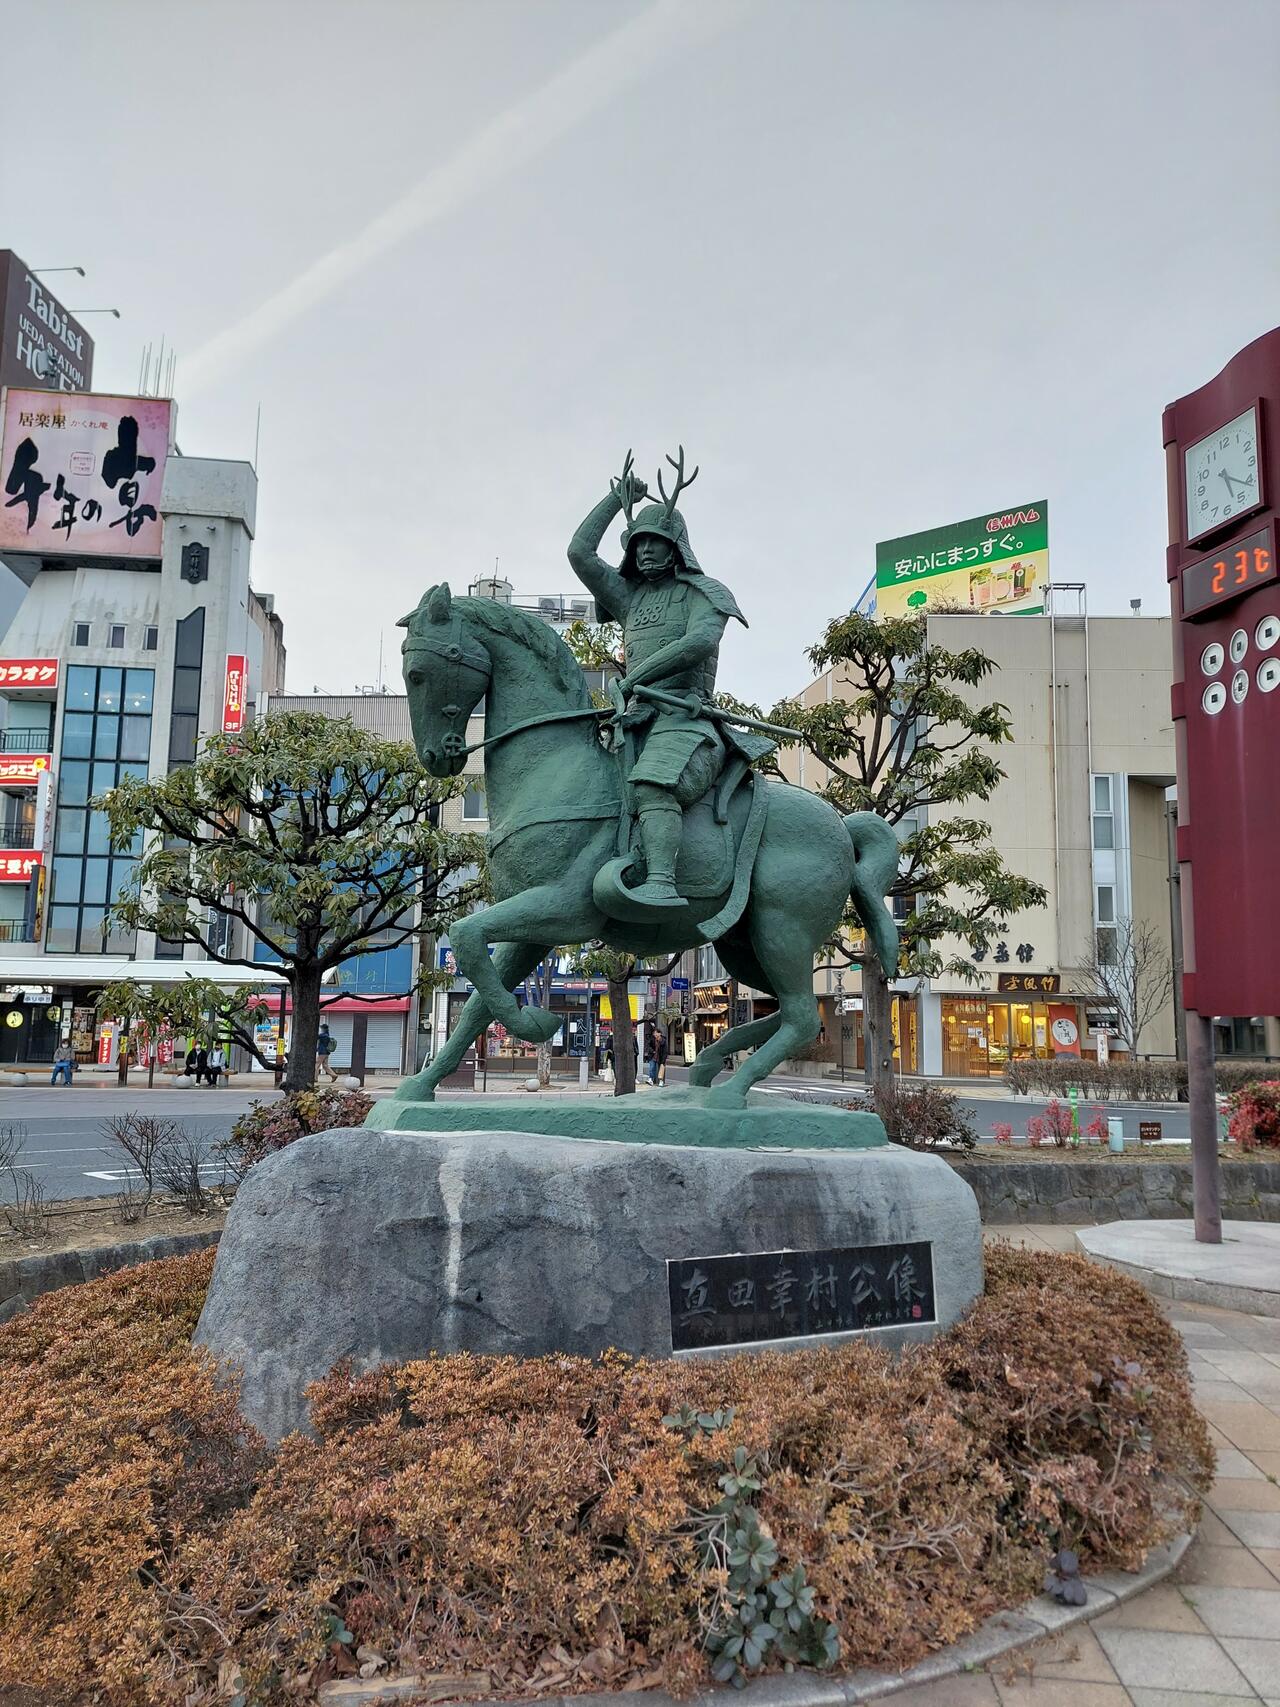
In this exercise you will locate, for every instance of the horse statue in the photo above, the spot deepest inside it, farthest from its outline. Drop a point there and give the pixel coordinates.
(765, 868)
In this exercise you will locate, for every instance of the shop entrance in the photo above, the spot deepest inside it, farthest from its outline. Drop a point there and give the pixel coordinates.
(981, 1035)
(28, 1030)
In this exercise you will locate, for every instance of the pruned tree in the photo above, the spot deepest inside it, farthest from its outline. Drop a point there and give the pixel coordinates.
(187, 1007)
(1130, 968)
(301, 842)
(905, 737)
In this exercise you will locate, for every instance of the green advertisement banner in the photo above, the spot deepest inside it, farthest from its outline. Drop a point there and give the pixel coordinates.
(997, 563)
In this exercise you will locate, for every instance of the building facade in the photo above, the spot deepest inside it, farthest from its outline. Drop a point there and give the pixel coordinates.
(1082, 811)
(110, 669)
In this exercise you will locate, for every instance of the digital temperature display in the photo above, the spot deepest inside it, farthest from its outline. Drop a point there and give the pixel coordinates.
(1226, 574)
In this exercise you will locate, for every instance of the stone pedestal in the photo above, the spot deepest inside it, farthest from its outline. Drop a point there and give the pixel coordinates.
(383, 1247)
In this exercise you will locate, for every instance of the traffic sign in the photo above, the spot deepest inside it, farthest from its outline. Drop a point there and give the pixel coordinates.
(679, 983)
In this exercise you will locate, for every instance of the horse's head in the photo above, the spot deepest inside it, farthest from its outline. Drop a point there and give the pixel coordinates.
(446, 672)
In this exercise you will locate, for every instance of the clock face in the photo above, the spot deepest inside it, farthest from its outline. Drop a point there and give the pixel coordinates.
(1221, 475)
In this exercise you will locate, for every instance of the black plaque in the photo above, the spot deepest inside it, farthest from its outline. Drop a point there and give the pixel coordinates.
(772, 1295)
(195, 562)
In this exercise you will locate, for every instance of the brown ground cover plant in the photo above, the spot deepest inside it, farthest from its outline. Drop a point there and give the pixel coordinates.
(560, 1524)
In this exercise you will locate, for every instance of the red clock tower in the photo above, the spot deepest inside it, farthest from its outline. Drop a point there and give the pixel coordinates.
(1222, 450)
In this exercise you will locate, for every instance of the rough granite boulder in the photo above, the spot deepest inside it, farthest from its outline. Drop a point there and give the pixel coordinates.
(381, 1247)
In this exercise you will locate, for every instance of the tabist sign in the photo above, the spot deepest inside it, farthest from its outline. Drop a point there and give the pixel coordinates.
(233, 694)
(40, 342)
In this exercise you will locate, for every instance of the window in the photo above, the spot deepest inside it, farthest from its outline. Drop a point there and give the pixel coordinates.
(117, 636)
(474, 804)
(150, 638)
(1106, 904)
(81, 635)
(1104, 835)
(1102, 794)
(184, 717)
(1107, 954)
(103, 740)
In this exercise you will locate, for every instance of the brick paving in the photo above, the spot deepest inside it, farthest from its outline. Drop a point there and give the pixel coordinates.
(1208, 1636)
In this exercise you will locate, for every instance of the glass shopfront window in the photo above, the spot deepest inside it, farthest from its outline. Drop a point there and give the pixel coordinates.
(981, 1035)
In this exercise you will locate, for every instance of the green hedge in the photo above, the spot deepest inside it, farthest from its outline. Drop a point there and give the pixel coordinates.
(1124, 1081)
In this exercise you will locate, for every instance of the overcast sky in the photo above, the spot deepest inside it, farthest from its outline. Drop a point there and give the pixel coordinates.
(879, 264)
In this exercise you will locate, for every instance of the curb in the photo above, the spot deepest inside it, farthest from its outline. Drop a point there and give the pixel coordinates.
(24, 1279)
(1000, 1634)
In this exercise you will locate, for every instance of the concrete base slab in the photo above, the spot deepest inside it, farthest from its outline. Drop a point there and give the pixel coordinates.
(1242, 1273)
(688, 1116)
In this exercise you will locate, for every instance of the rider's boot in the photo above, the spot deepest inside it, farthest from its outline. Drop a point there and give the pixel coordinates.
(661, 821)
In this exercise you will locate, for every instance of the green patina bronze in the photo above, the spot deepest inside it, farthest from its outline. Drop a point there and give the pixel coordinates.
(641, 826)
(675, 1116)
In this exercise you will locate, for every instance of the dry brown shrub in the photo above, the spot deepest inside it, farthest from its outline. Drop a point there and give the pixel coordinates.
(536, 1520)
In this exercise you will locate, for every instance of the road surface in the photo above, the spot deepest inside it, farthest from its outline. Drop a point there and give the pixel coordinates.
(65, 1144)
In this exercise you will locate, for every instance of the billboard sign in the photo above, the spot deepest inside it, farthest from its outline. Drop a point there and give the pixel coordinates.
(17, 864)
(233, 692)
(40, 343)
(82, 476)
(22, 770)
(993, 563)
(28, 673)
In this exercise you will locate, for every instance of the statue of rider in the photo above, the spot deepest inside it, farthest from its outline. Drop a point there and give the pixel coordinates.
(672, 617)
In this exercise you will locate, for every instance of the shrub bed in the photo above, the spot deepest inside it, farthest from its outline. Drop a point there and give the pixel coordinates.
(558, 1525)
(266, 1127)
(1123, 1081)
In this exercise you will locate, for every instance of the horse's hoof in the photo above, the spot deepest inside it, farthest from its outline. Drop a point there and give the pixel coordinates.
(724, 1096)
(537, 1025)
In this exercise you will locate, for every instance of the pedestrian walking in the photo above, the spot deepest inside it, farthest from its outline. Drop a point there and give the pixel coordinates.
(660, 1054)
(325, 1046)
(217, 1063)
(64, 1063)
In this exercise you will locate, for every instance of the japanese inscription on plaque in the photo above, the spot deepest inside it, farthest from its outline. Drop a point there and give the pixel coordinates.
(770, 1295)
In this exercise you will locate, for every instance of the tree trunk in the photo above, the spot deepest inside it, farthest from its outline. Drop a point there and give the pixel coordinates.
(877, 1027)
(624, 1049)
(544, 1065)
(304, 986)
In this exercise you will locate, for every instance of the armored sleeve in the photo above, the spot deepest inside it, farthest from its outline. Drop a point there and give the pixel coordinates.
(604, 583)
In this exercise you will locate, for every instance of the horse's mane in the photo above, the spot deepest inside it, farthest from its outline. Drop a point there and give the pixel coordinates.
(535, 634)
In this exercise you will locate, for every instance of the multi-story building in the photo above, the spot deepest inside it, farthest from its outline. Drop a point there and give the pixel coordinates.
(1089, 776)
(109, 668)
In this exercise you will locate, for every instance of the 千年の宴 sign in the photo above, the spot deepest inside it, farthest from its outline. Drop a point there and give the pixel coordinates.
(83, 473)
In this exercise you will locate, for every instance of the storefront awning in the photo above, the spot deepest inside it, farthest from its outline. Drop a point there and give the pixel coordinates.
(109, 968)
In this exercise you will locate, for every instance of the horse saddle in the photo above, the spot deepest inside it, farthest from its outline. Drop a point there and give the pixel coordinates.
(720, 836)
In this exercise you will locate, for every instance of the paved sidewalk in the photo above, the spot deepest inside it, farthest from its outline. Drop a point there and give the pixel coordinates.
(1209, 1636)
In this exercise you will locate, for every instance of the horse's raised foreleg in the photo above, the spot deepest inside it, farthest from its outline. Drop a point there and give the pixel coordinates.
(512, 962)
(551, 913)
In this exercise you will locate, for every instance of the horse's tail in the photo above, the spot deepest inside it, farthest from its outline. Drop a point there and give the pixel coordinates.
(875, 866)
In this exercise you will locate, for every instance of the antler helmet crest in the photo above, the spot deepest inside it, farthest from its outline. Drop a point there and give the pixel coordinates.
(664, 520)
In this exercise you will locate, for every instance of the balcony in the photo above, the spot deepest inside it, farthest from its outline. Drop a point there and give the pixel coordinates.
(17, 835)
(16, 930)
(25, 741)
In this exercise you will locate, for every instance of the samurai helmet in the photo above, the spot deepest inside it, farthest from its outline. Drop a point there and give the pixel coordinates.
(662, 520)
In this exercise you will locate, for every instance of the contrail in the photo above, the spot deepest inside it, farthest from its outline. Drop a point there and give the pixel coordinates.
(586, 84)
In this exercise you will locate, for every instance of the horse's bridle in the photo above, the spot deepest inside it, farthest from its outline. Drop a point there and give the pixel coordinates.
(456, 659)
